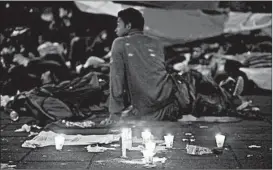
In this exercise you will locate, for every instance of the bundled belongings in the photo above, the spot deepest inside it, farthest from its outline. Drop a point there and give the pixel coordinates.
(66, 100)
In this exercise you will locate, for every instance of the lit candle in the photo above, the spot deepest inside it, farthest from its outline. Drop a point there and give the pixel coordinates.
(59, 142)
(220, 139)
(150, 146)
(148, 156)
(126, 140)
(146, 136)
(169, 140)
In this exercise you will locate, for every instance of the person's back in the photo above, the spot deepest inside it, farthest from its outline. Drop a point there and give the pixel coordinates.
(138, 67)
(149, 86)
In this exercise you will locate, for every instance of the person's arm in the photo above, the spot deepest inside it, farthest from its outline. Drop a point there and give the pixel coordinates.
(116, 102)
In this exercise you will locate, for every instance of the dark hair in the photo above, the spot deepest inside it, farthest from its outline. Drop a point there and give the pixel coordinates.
(133, 16)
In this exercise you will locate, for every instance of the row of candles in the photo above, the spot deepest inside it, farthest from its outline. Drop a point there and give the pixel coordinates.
(147, 139)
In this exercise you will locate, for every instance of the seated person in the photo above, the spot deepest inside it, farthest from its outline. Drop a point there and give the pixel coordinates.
(138, 73)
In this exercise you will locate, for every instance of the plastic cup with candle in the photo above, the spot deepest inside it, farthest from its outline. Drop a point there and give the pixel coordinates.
(148, 155)
(220, 139)
(149, 145)
(59, 142)
(146, 136)
(169, 140)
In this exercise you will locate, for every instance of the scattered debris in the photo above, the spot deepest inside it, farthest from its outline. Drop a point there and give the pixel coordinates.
(244, 105)
(149, 165)
(24, 128)
(203, 127)
(188, 134)
(7, 166)
(185, 140)
(162, 160)
(249, 155)
(114, 130)
(82, 124)
(192, 140)
(115, 145)
(197, 150)
(33, 134)
(254, 146)
(98, 148)
(37, 127)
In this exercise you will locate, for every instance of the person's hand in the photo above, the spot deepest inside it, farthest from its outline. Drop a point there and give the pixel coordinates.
(20, 59)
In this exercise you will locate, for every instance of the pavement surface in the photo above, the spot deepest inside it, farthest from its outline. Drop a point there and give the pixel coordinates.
(236, 153)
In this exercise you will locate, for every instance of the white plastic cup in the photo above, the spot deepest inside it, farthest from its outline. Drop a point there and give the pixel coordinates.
(146, 136)
(220, 140)
(126, 137)
(150, 146)
(59, 142)
(148, 156)
(169, 141)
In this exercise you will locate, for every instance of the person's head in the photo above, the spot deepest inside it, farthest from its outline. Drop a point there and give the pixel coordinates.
(128, 19)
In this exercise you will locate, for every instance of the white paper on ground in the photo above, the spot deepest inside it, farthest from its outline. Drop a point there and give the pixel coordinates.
(98, 149)
(47, 138)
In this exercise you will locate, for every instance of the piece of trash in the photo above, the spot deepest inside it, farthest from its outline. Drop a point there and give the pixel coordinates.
(192, 140)
(63, 163)
(82, 124)
(98, 148)
(162, 160)
(37, 127)
(254, 146)
(114, 130)
(185, 140)
(249, 155)
(203, 127)
(7, 166)
(244, 105)
(44, 156)
(19, 130)
(197, 150)
(188, 134)
(226, 149)
(192, 136)
(33, 134)
(115, 145)
(24, 128)
(149, 165)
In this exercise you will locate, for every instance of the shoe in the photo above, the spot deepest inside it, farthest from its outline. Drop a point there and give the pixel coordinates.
(239, 87)
(228, 84)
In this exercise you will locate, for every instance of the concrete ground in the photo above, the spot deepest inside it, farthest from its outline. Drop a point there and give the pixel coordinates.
(236, 154)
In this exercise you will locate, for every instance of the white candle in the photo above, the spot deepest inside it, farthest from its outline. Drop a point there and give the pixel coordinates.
(150, 146)
(220, 139)
(169, 140)
(146, 136)
(148, 156)
(59, 142)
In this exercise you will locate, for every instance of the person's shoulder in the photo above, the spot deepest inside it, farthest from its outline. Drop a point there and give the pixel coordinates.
(118, 41)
